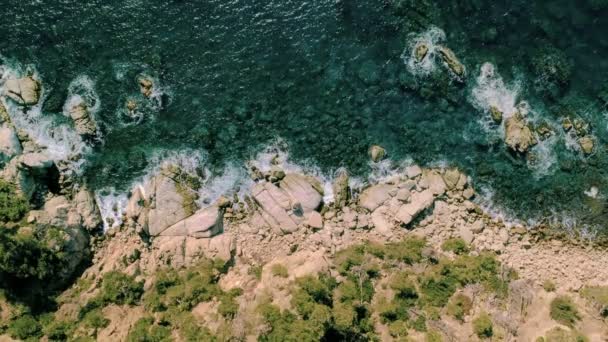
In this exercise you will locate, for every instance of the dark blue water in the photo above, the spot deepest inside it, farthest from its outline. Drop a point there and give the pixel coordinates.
(327, 77)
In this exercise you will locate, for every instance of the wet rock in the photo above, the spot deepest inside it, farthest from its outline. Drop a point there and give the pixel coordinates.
(375, 196)
(420, 51)
(377, 153)
(301, 191)
(419, 202)
(586, 143)
(496, 114)
(276, 173)
(567, 124)
(544, 130)
(452, 62)
(518, 135)
(25, 91)
(146, 85)
(9, 142)
(83, 120)
(340, 189)
(205, 223)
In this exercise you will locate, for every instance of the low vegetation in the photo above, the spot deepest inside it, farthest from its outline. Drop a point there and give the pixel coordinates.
(483, 327)
(564, 311)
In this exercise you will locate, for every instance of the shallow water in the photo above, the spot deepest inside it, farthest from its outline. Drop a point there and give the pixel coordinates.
(329, 79)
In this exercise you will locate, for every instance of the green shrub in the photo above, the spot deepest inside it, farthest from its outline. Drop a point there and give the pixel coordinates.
(24, 327)
(419, 324)
(256, 271)
(59, 330)
(460, 306)
(95, 319)
(12, 205)
(144, 330)
(433, 336)
(558, 334)
(119, 288)
(598, 296)
(26, 257)
(549, 286)
(482, 326)
(456, 245)
(279, 270)
(564, 311)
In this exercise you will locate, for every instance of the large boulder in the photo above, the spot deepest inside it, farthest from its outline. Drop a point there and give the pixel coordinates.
(83, 120)
(276, 207)
(205, 223)
(86, 209)
(168, 201)
(24, 171)
(375, 196)
(377, 153)
(9, 142)
(419, 202)
(25, 91)
(452, 63)
(301, 191)
(519, 137)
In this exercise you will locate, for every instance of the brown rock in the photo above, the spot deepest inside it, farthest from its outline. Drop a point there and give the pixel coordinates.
(377, 153)
(518, 135)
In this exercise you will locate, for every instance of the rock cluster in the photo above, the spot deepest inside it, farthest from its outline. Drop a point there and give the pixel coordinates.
(25, 91)
(83, 120)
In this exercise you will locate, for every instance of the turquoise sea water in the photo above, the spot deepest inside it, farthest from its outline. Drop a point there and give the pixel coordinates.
(329, 78)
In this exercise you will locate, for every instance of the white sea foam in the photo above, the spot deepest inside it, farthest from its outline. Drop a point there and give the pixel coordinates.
(112, 205)
(432, 38)
(490, 90)
(60, 141)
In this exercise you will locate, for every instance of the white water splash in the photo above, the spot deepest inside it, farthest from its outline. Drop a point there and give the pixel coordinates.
(431, 38)
(59, 141)
(112, 205)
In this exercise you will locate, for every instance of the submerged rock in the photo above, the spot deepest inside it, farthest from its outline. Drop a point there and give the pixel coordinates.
(518, 135)
(452, 62)
(496, 114)
(377, 153)
(25, 91)
(586, 143)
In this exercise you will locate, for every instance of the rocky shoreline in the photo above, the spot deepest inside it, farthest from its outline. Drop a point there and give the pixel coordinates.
(283, 220)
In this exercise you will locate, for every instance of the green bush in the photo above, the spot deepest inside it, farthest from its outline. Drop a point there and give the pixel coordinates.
(119, 288)
(482, 326)
(279, 270)
(144, 330)
(460, 306)
(25, 257)
(433, 336)
(59, 330)
(12, 205)
(564, 311)
(549, 286)
(456, 245)
(24, 327)
(95, 319)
